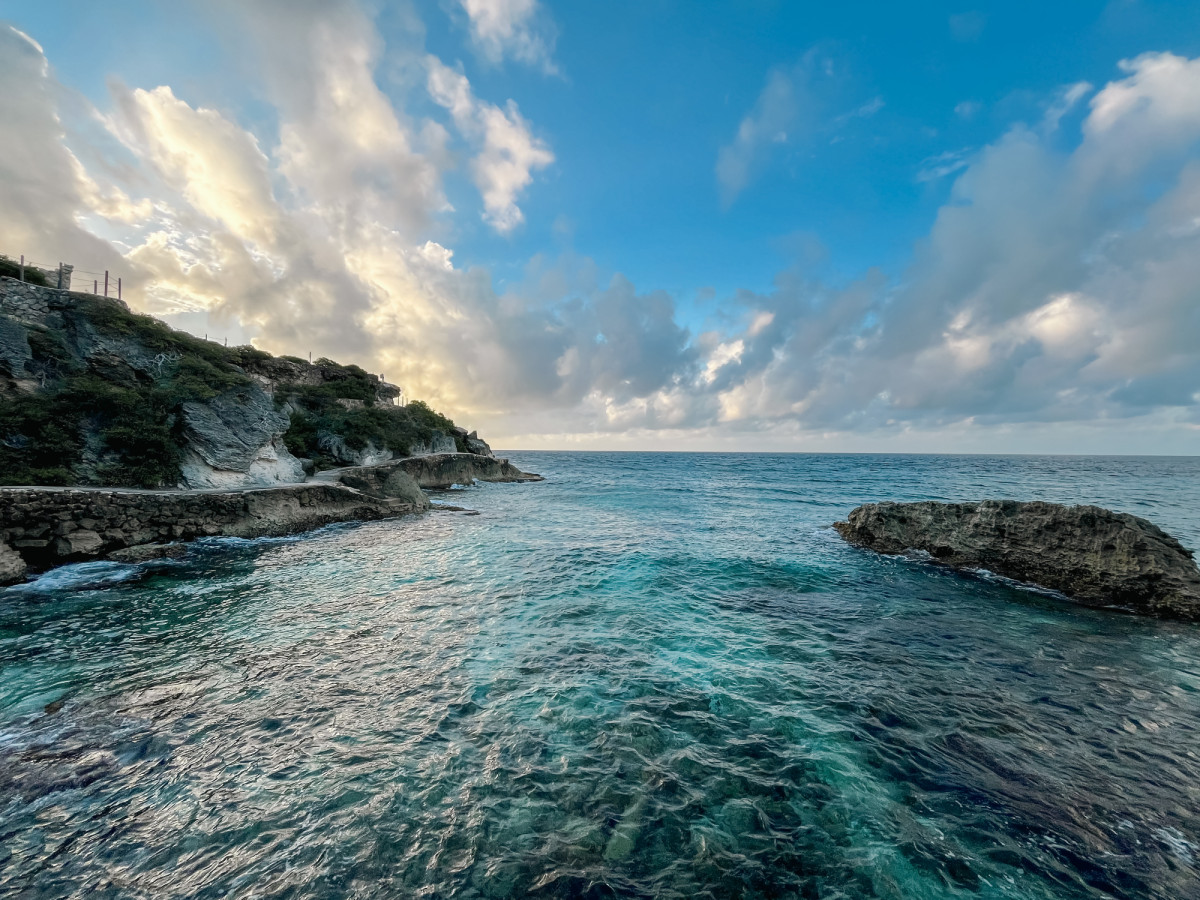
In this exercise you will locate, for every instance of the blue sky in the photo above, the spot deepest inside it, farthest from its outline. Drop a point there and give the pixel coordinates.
(681, 172)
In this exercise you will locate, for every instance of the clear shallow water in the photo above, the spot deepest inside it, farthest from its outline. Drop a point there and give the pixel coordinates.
(653, 675)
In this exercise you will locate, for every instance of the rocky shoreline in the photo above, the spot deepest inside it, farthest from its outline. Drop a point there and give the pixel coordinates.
(1095, 556)
(43, 527)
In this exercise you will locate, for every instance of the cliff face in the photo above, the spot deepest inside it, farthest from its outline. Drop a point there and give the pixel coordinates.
(1093, 555)
(92, 394)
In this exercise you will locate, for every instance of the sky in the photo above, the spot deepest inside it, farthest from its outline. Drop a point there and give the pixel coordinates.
(654, 225)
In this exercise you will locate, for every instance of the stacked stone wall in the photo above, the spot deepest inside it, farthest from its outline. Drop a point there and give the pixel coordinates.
(33, 304)
(50, 526)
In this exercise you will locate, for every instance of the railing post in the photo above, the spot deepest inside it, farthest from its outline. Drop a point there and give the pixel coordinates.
(106, 282)
(118, 288)
(22, 266)
(95, 286)
(60, 274)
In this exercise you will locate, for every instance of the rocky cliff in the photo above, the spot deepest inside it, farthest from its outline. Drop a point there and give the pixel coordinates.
(434, 471)
(1095, 556)
(92, 394)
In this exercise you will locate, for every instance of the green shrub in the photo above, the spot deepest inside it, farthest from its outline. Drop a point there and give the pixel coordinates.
(395, 428)
(12, 268)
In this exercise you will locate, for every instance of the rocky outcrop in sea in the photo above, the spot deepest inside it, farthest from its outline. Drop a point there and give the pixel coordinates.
(1095, 556)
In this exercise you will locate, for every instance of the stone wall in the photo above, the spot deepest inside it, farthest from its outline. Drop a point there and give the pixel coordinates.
(51, 526)
(32, 304)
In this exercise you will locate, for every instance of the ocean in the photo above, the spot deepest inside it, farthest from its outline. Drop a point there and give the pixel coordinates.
(652, 675)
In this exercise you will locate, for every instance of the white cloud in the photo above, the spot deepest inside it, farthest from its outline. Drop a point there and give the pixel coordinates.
(772, 116)
(944, 164)
(216, 165)
(517, 29)
(1054, 286)
(508, 154)
(967, 109)
(795, 105)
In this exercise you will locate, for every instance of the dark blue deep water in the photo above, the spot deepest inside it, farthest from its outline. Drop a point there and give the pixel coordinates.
(653, 675)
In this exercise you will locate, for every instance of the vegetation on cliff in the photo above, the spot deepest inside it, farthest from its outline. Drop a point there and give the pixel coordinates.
(95, 395)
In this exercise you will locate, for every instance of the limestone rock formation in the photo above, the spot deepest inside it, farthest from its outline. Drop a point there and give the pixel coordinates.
(236, 439)
(336, 448)
(447, 469)
(1093, 555)
(438, 442)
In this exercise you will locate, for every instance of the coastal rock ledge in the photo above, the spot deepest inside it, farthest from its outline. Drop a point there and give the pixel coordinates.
(1092, 555)
(43, 527)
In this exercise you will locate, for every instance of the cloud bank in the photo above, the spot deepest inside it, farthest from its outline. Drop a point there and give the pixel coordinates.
(1055, 285)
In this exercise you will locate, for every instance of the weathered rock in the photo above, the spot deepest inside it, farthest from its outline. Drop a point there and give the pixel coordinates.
(335, 447)
(235, 439)
(12, 566)
(447, 469)
(439, 442)
(1095, 556)
(80, 542)
(14, 347)
(146, 552)
(383, 481)
(398, 478)
(477, 445)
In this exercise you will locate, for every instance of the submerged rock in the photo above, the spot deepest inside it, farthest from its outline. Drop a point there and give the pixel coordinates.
(1094, 556)
(145, 552)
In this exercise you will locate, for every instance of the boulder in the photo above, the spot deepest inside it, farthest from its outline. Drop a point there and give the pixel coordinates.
(12, 567)
(477, 445)
(81, 542)
(1095, 556)
(146, 552)
(383, 481)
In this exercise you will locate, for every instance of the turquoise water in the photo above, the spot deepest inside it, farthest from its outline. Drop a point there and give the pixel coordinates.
(653, 675)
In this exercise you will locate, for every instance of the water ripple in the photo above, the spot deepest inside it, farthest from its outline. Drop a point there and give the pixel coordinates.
(650, 676)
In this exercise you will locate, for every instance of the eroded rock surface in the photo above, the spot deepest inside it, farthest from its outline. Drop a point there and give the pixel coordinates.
(1093, 555)
(236, 439)
(444, 470)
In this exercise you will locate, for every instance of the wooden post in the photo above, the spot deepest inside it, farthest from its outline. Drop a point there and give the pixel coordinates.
(95, 286)
(60, 274)
(118, 288)
(106, 282)
(22, 266)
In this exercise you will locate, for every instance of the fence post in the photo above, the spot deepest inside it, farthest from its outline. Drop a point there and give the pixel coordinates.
(118, 288)
(106, 282)
(60, 274)
(95, 286)
(22, 266)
